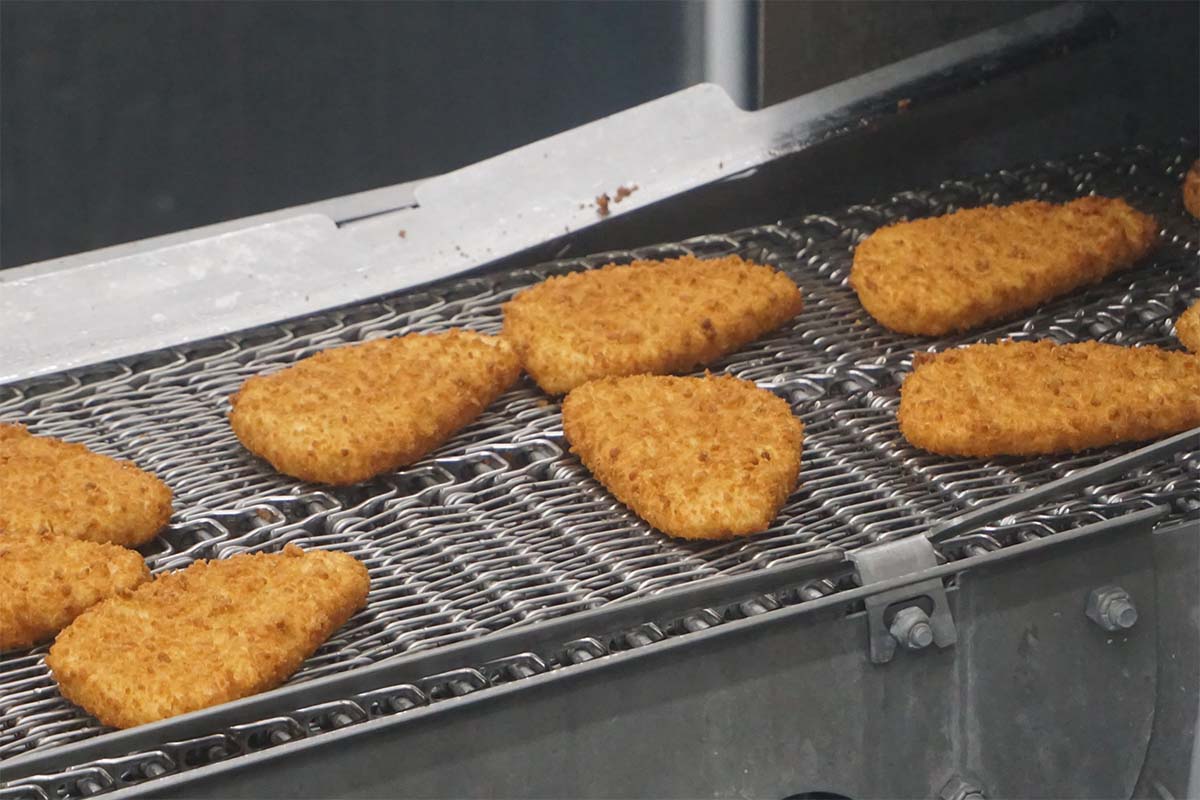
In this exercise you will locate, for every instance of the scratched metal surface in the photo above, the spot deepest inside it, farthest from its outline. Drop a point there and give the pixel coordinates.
(502, 527)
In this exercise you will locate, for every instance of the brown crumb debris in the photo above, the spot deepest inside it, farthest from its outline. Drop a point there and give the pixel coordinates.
(903, 104)
(604, 201)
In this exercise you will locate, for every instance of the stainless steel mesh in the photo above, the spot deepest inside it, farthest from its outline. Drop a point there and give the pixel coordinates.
(502, 527)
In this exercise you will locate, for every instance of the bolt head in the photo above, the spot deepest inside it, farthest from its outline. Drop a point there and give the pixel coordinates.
(1111, 608)
(920, 635)
(911, 628)
(1123, 614)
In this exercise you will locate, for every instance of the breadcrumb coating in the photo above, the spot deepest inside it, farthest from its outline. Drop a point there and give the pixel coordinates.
(47, 581)
(214, 632)
(1191, 190)
(52, 486)
(1028, 398)
(1187, 327)
(647, 317)
(351, 412)
(697, 458)
(953, 273)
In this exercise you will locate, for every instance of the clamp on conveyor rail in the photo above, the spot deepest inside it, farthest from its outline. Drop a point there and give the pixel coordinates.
(917, 615)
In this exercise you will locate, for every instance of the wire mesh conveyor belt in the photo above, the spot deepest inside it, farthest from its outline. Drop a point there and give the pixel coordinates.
(502, 527)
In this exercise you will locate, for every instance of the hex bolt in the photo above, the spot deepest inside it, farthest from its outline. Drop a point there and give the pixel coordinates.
(1111, 608)
(911, 628)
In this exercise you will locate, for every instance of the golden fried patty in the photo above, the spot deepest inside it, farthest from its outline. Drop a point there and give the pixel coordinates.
(351, 412)
(960, 271)
(214, 632)
(697, 458)
(1187, 327)
(644, 317)
(1191, 190)
(51, 486)
(1026, 398)
(46, 581)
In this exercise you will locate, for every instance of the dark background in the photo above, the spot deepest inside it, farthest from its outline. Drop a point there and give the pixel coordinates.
(123, 120)
(120, 121)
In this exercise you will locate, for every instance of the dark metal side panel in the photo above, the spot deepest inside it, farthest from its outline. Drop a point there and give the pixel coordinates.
(1035, 701)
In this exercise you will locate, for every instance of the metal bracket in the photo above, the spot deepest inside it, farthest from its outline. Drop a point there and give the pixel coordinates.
(896, 559)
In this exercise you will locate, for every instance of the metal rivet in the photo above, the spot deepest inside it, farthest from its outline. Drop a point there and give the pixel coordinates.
(520, 671)
(87, 786)
(911, 628)
(638, 639)
(279, 737)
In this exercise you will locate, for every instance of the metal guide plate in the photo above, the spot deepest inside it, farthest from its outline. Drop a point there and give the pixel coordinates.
(502, 526)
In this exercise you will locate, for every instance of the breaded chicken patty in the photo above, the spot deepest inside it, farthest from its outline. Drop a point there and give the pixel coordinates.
(1191, 190)
(953, 273)
(1027, 398)
(46, 581)
(51, 486)
(647, 317)
(214, 632)
(1187, 327)
(351, 412)
(697, 458)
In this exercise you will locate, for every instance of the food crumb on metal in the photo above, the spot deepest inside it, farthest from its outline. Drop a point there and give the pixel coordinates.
(623, 192)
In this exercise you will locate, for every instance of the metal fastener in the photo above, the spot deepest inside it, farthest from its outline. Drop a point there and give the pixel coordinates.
(911, 628)
(1111, 608)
